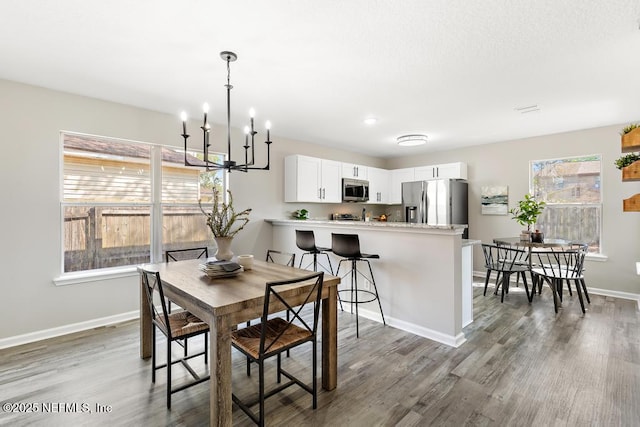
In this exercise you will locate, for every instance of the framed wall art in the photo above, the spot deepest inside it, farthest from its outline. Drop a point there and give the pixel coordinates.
(495, 199)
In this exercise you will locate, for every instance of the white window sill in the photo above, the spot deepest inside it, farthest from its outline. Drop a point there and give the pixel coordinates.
(597, 257)
(95, 275)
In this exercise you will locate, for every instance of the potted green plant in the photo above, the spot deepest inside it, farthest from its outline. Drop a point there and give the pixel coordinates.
(625, 130)
(626, 160)
(630, 137)
(224, 223)
(300, 214)
(527, 212)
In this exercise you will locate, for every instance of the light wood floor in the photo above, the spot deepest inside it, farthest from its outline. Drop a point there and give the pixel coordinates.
(522, 365)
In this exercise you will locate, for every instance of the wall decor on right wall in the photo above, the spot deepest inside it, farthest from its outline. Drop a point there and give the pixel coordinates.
(495, 199)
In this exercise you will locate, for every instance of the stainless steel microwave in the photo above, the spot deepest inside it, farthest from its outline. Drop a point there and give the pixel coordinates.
(355, 190)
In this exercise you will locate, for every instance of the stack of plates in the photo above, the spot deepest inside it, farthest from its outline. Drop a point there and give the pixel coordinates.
(221, 268)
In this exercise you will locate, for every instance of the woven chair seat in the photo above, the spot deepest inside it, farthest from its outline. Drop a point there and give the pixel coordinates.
(248, 339)
(183, 324)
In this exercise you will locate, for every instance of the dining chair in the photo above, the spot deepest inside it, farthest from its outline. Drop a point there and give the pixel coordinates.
(273, 336)
(574, 247)
(188, 253)
(278, 257)
(505, 261)
(181, 255)
(522, 260)
(561, 265)
(176, 327)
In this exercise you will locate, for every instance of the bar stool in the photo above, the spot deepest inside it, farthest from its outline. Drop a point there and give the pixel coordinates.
(347, 246)
(306, 241)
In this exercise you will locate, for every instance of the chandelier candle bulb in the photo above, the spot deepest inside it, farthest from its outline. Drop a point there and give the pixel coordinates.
(183, 117)
(205, 108)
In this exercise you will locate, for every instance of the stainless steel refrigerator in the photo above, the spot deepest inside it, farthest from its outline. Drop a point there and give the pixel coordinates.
(436, 202)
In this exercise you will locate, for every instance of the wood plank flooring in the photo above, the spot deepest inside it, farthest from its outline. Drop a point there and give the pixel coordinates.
(522, 365)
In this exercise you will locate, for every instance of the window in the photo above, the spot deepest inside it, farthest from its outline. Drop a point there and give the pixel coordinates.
(572, 189)
(122, 199)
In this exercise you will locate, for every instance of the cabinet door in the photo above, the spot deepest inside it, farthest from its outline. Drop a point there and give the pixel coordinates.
(425, 172)
(349, 170)
(398, 176)
(301, 179)
(378, 185)
(452, 170)
(331, 181)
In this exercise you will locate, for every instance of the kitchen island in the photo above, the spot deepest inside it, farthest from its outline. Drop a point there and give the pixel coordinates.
(423, 274)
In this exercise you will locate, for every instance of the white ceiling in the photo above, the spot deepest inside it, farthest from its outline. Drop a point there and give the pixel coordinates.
(455, 70)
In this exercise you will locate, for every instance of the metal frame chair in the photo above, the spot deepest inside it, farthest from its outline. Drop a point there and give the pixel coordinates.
(347, 246)
(306, 241)
(558, 266)
(284, 258)
(506, 261)
(272, 337)
(183, 254)
(177, 326)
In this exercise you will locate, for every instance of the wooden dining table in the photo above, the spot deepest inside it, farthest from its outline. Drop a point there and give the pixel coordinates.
(223, 303)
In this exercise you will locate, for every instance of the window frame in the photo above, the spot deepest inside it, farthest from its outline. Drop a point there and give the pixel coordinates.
(532, 190)
(155, 206)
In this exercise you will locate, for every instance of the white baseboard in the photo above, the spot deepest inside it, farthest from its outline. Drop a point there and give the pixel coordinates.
(450, 340)
(67, 329)
(615, 294)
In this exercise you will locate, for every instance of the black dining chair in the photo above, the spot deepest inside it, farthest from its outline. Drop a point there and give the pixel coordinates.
(279, 257)
(273, 336)
(187, 253)
(505, 261)
(561, 265)
(176, 327)
(173, 255)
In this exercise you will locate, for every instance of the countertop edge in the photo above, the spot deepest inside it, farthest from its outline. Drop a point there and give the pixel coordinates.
(371, 225)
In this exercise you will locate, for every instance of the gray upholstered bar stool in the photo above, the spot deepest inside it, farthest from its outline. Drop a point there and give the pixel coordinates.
(306, 241)
(347, 246)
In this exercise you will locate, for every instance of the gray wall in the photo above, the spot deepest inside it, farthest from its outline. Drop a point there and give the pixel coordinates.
(30, 255)
(508, 163)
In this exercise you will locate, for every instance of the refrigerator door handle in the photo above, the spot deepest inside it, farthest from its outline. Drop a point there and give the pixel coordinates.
(423, 203)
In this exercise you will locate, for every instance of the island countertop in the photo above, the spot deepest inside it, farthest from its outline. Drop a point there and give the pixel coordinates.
(372, 225)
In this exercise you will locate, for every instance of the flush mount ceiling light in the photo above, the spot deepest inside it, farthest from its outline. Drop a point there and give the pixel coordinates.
(370, 121)
(528, 109)
(411, 140)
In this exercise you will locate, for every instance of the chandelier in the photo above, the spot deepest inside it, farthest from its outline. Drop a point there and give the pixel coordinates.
(228, 164)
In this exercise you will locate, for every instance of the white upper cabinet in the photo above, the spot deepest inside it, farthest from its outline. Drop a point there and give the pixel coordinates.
(398, 176)
(447, 170)
(349, 170)
(378, 185)
(309, 179)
